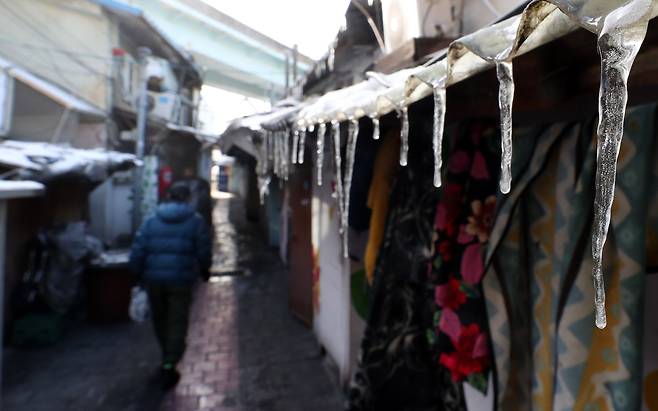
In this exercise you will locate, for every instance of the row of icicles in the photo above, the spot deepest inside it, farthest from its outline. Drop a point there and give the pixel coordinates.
(617, 57)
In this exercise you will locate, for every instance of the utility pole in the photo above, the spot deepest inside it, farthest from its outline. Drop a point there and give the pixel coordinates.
(142, 113)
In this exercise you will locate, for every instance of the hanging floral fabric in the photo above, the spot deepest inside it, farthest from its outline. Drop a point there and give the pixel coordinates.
(458, 335)
(395, 371)
(538, 284)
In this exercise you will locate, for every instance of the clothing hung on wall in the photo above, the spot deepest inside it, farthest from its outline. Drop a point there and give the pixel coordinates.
(395, 371)
(384, 171)
(538, 284)
(458, 334)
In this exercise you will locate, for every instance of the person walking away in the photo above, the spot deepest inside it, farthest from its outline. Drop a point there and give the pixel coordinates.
(171, 250)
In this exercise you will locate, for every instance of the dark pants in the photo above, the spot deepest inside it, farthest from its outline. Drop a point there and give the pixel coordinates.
(170, 309)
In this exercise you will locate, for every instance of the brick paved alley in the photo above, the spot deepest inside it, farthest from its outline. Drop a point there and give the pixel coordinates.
(245, 351)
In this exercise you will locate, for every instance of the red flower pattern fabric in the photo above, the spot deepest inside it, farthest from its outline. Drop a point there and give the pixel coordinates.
(464, 217)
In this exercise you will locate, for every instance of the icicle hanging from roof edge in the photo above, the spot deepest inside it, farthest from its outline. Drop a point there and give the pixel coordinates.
(404, 136)
(286, 134)
(302, 147)
(322, 129)
(350, 156)
(505, 72)
(279, 141)
(274, 154)
(439, 93)
(263, 187)
(375, 128)
(285, 155)
(335, 133)
(264, 154)
(270, 148)
(295, 146)
(618, 44)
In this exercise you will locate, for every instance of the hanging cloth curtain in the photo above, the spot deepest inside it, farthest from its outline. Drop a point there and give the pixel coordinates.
(538, 284)
(395, 371)
(458, 334)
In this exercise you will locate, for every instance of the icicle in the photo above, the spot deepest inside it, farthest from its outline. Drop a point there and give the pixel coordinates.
(437, 130)
(264, 154)
(295, 146)
(618, 47)
(350, 156)
(375, 128)
(505, 100)
(404, 136)
(322, 129)
(335, 126)
(277, 156)
(270, 148)
(302, 147)
(285, 154)
(263, 187)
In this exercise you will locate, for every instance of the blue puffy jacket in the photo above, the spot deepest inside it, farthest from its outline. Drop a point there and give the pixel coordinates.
(173, 247)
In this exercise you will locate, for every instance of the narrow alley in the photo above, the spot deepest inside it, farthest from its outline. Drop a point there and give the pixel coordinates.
(245, 350)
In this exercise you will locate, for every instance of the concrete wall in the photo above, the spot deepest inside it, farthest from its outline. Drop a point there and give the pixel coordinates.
(67, 42)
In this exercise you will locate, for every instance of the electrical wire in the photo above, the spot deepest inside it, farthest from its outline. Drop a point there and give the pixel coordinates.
(372, 24)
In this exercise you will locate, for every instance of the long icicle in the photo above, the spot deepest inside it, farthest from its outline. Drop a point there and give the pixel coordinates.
(404, 136)
(335, 126)
(350, 156)
(265, 154)
(322, 129)
(276, 154)
(375, 128)
(617, 47)
(286, 154)
(439, 93)
(302, 146)
(295, 146)
(270, 146)
(505, 73)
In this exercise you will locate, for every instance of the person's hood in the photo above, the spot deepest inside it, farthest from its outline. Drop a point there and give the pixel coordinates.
(174, 212)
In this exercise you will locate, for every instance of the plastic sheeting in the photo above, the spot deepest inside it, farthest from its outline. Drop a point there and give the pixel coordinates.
(42, 162)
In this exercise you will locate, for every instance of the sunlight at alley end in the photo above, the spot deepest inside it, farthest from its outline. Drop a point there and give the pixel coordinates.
(328, 205)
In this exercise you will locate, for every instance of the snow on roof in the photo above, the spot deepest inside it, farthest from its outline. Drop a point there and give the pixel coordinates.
(19, 189)
(50, 90)
(43, 162)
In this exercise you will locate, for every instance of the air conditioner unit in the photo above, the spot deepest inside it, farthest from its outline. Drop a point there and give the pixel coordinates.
(127, 135)
(165, 106)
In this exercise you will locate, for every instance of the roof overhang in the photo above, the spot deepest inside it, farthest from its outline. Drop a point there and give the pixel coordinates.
(51, 91)
(10, 190)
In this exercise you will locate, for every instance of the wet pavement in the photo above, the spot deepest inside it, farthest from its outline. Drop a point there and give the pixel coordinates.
(246, 352)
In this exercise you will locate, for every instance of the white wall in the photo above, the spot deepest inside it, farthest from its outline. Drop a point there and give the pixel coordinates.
(110, 208)
(332, 309)
(406, 19)
(67, 42)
